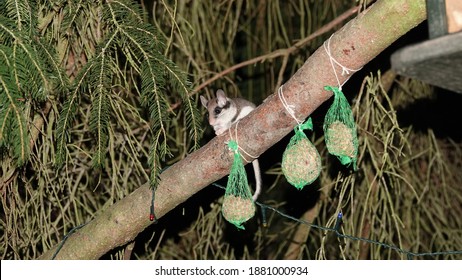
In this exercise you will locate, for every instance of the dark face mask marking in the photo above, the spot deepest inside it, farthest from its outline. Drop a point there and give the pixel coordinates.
(218, 109)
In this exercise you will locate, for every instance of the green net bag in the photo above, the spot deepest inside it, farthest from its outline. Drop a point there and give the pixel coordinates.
(238, 205)
(340, 129)
(301, 163)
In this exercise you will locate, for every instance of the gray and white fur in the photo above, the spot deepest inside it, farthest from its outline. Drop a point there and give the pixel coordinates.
(223, 112)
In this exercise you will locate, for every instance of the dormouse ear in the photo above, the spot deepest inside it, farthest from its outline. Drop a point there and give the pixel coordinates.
(221, 98)
(204, 101)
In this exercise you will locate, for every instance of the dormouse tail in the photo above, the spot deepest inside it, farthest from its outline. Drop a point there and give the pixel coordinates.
(256, 170)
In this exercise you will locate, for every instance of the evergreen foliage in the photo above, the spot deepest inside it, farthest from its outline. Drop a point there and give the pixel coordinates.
(27, 78)
(116, 43)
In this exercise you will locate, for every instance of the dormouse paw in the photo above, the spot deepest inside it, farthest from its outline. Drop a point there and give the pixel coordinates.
(220, 131)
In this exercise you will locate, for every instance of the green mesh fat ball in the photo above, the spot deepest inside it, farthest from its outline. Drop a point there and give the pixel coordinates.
(238, 210)
(238, 205)
(301, 163)
(340, 129)
(341, 141)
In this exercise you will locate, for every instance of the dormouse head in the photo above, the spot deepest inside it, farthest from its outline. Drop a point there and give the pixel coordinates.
(221, 111)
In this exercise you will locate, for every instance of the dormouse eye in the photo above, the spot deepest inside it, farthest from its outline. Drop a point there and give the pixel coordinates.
(217, 111)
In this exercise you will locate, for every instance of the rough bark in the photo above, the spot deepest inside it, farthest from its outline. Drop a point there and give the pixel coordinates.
(358, 42)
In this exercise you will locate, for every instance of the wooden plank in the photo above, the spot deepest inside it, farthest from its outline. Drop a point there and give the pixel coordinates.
(436, 18)
(437, 62)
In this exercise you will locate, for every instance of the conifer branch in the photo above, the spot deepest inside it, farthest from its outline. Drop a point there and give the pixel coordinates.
(49, 56)
(12, 121)
(21, 12)
(24, 60)
(68, 112)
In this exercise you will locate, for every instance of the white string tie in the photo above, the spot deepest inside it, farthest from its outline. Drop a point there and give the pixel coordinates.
(237, 142)
(289, 108)
(345, 70)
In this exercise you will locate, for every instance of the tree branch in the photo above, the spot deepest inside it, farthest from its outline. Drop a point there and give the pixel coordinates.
(358, 42)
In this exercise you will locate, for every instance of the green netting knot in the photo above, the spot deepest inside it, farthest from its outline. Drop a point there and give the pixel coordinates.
(340, 129)
(301, 163)
(238, 205)
(308, 125)
(233, 146)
